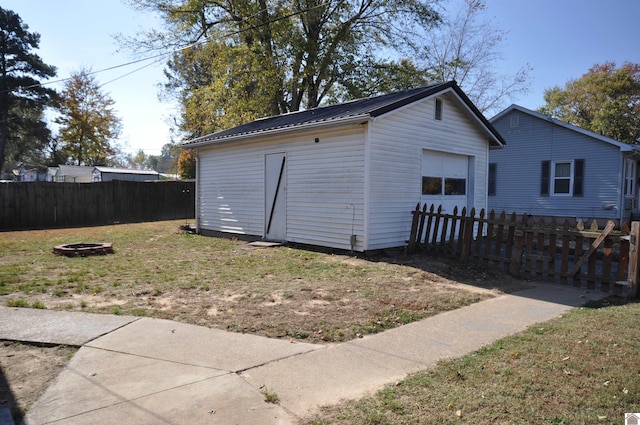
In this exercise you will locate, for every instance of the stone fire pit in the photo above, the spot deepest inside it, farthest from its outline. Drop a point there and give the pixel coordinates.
(83, 249)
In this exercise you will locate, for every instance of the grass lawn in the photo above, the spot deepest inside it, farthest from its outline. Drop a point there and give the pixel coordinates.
(582, 368)
(159, 271)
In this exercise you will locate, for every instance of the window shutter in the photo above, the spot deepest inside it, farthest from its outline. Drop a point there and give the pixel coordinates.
(544, 180)
(578, 177)
(492, 179)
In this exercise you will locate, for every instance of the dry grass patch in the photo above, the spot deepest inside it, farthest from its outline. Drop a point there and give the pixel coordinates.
(159, 271)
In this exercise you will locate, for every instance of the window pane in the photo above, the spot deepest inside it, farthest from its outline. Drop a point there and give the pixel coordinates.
(563, 169)
(561, 186)
(454, 186)
(431, 185)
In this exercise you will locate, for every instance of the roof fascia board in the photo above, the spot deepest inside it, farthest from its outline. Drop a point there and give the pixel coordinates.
(480, 119)
(286, 130)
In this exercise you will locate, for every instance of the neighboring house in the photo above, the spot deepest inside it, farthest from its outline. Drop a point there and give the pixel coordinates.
(553, 169)
(107, 174)
(87, 174)
(73, 174)
(27, 173)
(345, 176)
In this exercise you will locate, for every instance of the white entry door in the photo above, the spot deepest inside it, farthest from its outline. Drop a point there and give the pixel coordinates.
(445, 180)
(275, 220)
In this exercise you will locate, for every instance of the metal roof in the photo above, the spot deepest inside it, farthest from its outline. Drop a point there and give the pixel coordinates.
(356, 109)
(125, 171)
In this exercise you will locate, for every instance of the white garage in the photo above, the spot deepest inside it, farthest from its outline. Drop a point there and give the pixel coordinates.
(345, 176)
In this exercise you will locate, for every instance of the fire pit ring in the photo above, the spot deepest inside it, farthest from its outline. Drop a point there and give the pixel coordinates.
(83, 249)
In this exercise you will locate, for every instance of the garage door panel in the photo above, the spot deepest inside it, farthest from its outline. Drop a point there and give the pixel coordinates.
(445, 180)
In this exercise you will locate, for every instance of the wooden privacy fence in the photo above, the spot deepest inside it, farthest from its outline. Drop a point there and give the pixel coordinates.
(42, 205)
(604, 259)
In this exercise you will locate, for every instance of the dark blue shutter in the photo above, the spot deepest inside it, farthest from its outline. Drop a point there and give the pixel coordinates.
(578, 177)
(545, 177)
(492, 179)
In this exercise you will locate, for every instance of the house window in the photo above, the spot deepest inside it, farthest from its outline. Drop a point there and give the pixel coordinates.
(438, 114)
(562, 178)
(515, 121)
(449, 186)
(491, 189)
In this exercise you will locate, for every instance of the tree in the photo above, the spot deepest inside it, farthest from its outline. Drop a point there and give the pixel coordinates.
(466, 49)
(23, 132)
(186, 165)
(254, 58)
(605, 100)
(88, 124)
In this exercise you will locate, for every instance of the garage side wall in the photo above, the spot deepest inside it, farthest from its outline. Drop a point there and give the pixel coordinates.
(324, 187)
(397, 143)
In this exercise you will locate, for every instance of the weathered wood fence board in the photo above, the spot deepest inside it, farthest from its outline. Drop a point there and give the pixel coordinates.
(531, 249)
(42, 205)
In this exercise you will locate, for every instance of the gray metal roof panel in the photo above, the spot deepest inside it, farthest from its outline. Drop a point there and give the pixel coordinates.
(368, 107)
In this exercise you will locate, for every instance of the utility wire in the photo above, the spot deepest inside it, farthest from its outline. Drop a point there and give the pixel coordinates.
(164, 54)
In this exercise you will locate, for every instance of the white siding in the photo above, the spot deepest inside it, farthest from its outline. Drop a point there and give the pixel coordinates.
(325, 182)
(394, 154)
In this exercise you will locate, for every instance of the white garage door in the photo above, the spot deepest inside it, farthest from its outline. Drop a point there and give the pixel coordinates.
(445, 180)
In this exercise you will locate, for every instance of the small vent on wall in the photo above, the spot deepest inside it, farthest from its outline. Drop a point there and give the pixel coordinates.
(438, 112)
(515, 121)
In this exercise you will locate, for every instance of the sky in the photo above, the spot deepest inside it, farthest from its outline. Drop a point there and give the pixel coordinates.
(559, 39)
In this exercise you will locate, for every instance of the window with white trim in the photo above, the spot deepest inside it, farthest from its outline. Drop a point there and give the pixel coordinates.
(562, 178)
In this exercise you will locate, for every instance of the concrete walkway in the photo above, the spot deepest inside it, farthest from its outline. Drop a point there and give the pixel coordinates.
(150, 371)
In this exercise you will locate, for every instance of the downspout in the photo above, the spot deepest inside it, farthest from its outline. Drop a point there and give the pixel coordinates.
(621, 195)
(635, 154)
(195, 154)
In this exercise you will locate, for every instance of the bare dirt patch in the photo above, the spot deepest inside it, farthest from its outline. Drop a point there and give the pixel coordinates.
(26, 371)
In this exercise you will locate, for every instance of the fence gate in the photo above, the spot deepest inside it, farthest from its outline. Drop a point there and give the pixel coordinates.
(605, 260)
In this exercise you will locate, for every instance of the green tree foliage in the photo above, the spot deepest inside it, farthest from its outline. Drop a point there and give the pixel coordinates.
(88, 123)
(166, 162)
(253, 58)
(186, 165)
(605, 100)
(23, 132)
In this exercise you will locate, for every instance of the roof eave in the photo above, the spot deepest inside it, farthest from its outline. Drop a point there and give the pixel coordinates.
(204, 141)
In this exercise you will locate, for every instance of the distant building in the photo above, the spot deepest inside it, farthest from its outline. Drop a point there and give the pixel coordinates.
(84, 174)
(73, 174)
(27, 173)
(107, 174)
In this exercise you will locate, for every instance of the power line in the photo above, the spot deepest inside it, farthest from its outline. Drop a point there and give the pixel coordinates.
(165, 54)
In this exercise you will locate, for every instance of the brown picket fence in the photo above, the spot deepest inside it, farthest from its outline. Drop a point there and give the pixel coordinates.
(597, 259)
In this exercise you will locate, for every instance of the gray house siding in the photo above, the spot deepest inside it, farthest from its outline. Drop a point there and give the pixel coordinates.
(519, 170)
